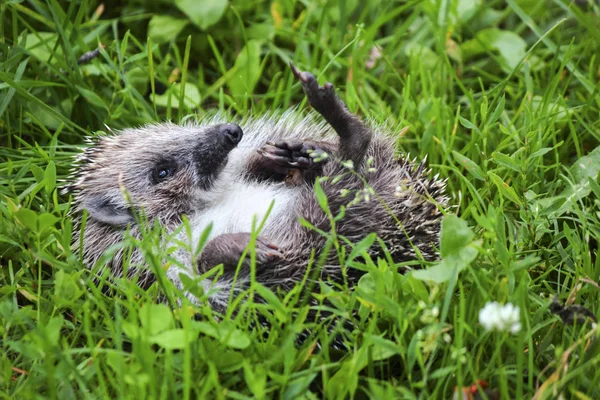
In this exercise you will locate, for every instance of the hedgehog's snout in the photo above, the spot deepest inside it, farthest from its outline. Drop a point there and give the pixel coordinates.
(232, 133)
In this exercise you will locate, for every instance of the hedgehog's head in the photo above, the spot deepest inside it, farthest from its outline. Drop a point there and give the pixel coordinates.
(165, 170)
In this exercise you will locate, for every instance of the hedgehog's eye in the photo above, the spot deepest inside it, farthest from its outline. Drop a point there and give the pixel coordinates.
(163, 172)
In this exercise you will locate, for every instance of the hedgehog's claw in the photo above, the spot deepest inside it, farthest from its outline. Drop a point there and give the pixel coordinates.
(273, 150)
(298, 74)
(306, 78)
(291, 153)
(272, 246)
(267, 252)
(274, 155)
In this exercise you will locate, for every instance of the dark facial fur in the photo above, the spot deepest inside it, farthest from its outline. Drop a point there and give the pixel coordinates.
(155, 166)
(160, 170)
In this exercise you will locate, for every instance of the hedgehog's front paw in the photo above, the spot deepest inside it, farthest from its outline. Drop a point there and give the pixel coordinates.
(293, 154)
(321, 98)
(228, 248)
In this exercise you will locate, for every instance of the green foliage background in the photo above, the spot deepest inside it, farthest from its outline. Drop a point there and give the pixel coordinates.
(502, 97)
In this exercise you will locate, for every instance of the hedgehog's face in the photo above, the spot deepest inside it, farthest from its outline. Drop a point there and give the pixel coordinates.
(165, 170)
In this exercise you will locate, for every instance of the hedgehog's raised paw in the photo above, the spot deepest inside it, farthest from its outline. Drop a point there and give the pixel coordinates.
(321, 98)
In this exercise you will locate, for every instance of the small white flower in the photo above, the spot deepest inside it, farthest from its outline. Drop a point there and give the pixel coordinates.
(318, 155)
(402, 189)
(429, 315)
(515, 328)
(348, 164)
(459, 354)
(367, 193)
(495, 316)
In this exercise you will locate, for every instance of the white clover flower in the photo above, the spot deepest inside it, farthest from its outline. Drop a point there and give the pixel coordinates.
(344, 192)
(367, 193)
(401, 189)
(318, 155)
(495, 316)
(398, 191)
(459, 354)
(348, 164)
(429, 315)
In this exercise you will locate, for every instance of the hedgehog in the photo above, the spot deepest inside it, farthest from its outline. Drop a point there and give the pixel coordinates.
(232, 176)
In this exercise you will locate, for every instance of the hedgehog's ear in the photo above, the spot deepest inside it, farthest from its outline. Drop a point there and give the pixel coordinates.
(107, 210)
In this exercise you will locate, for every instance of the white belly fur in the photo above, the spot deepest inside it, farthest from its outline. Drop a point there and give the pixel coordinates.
(242, 206)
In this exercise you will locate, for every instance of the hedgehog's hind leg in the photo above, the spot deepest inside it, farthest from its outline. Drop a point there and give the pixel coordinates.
(355, 137)
(227, 249)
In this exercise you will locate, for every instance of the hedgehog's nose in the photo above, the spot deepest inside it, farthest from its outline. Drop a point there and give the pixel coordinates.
(232, 132)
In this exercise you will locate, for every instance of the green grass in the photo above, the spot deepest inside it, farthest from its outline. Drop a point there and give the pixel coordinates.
(503, 99)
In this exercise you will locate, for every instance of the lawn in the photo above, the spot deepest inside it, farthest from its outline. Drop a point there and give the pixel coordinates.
(502, 99)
